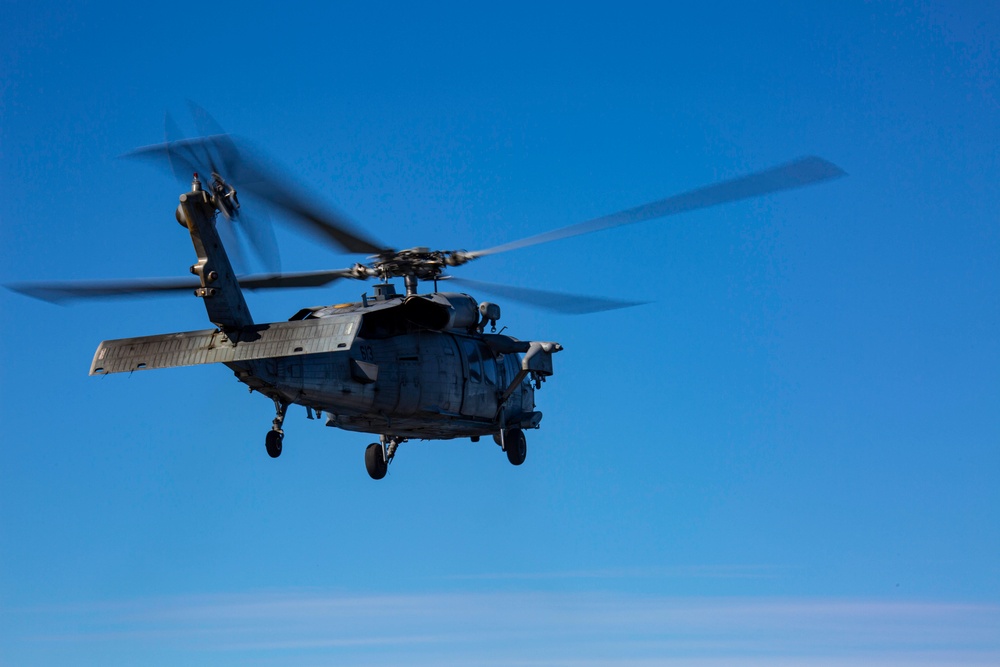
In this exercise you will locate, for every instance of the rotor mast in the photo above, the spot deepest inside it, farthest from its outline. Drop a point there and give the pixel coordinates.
(410, 281)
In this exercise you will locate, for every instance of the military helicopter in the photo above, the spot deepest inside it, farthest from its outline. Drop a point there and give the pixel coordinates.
(401, 366)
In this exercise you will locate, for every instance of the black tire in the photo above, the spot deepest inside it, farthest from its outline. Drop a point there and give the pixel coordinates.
(273, 444)
(374, 461)
(517, 446)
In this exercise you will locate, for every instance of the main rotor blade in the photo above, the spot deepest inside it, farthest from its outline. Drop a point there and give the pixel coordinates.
(560, 302)
(796, 174)
(71, 291)
(331, 227)
(246, 170)
(301, 279)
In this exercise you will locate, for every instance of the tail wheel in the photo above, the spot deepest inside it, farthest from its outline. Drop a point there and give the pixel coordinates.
(517, 446)
(375, 461)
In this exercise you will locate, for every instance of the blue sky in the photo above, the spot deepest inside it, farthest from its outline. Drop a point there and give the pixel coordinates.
(788, 457)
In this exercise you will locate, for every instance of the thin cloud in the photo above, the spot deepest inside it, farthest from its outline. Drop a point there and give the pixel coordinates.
(687, 572)
(528, 628)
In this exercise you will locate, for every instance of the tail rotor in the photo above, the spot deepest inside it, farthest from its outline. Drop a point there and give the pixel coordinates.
(215, 153)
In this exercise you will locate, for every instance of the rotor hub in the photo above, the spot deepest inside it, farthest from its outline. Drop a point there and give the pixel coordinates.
(419, 263)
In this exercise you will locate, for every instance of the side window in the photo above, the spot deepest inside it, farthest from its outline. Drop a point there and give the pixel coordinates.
(510, 365)
(472, 355)
(489, 366)
(516, 358)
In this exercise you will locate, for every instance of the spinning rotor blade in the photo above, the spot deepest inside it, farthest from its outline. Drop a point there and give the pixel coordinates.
(185, 158)
(188, 156)
(203, 121)
(795, 174)
(60, 292)
(233, 243)
(329, 226)
(258, 229)
(71, 291)
(302, 279)
(179, 166)
(239, 164)
(253, 230)
(559, 302)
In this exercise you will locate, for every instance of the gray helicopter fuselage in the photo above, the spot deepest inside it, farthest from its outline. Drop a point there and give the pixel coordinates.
(399, 375)
(422, 384)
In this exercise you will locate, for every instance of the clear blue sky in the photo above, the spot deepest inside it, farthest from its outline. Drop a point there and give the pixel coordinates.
(789, 457)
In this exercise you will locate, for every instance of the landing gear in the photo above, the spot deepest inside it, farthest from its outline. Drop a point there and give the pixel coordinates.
(379, 455)
(273, 443)
(516, 445)
(274, 437)
(375, 461)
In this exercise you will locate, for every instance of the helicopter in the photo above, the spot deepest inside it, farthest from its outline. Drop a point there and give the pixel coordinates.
(401, 366)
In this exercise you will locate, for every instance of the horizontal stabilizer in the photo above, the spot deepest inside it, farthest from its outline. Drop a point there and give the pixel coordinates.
(259, 341)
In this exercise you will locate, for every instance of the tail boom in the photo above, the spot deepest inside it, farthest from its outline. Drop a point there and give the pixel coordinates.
(227, 309)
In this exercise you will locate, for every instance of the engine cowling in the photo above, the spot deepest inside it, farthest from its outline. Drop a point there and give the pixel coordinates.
(442, 311)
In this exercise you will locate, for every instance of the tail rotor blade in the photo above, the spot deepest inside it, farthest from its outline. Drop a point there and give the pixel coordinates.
(187, 156)
(181, 167)
(183, 158)
(232, 240)
(220, 150)
(247, 169)
(206, 125)
(259, 231)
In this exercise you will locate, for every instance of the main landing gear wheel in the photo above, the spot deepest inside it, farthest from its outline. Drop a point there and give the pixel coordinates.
(516, 445)
(273, 443)
(375, 461)
(276, 435)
